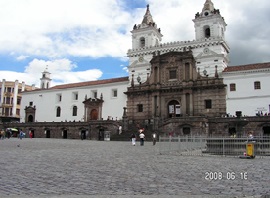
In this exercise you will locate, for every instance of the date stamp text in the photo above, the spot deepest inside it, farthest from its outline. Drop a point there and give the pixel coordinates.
(210, 176)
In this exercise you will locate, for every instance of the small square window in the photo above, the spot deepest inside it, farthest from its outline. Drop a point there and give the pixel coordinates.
(59, 97)
(140, 108)
(114, 93)
(94, 94)
(257, 85)
(172, 74)
(232, 87)
(75, 95)
(18, 101)
(208, 104)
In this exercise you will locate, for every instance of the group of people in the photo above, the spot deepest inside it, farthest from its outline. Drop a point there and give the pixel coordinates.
(5, 134)
(142, 137)
(8, 134)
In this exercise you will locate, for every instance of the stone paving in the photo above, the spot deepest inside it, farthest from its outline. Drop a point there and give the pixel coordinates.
(76, 168)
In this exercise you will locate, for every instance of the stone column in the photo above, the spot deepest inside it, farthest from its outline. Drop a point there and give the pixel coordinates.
(125, 119)
(15, 95)
(191, 104)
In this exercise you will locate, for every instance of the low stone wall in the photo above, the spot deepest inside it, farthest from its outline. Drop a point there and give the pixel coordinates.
(220, 126)
(67, 130)
(186, 125)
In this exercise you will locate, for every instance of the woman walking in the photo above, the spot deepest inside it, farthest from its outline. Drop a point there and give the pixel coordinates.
(133, 139)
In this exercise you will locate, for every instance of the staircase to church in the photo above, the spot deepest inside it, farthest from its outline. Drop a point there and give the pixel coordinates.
(132, 128)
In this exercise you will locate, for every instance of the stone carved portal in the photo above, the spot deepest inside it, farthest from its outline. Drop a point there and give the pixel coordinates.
(30, 113)
(93, 109)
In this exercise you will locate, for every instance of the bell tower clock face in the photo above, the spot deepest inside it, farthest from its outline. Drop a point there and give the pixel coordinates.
(141, 59)
(206, 50)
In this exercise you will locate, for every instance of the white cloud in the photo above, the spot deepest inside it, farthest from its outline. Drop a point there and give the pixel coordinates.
(12, 76)
(21, 57)
(247, 31)
(124, 68)
(98, 28)
(63, 27)
(61, 72)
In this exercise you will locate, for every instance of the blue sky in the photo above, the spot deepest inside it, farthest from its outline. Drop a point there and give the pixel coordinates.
(83, 40)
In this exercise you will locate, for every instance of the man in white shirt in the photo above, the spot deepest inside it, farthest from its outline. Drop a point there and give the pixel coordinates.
(142, 138)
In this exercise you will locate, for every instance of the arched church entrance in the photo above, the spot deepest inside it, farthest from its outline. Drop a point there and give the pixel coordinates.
(232, 131)
(174, 109)
(101, 134)
(48, 133)
(64, 134)
(186, 130)
(266, 131)
(94, 114)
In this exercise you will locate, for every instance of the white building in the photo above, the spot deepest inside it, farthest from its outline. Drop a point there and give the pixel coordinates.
(93, 100)
(248, 89)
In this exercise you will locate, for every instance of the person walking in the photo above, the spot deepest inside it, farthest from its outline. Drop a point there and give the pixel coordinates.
(133, 139)
(154, 137)
(31, 134)
(2, 134)
(21, 134)
(8, 133)
(82, 135)
(142, 138)
(120, 130)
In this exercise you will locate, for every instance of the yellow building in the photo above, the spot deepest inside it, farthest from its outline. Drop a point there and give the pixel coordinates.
(10, 99)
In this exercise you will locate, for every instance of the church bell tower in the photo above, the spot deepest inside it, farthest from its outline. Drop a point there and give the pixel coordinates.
(209, 23)
(212, 51)
(145, 36)
(45, 80)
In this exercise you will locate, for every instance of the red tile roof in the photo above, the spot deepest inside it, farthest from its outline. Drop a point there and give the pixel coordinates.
(87, 83)
(90, 83)
(247, 67)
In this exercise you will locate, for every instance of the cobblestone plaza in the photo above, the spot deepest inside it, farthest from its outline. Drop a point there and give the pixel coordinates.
(76, 168)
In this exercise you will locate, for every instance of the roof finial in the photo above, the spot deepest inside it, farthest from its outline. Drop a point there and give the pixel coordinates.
(147, 19)
(208, 5)
(46, 68)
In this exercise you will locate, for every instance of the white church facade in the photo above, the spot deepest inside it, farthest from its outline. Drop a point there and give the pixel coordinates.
(79, 102)
(105, 99)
